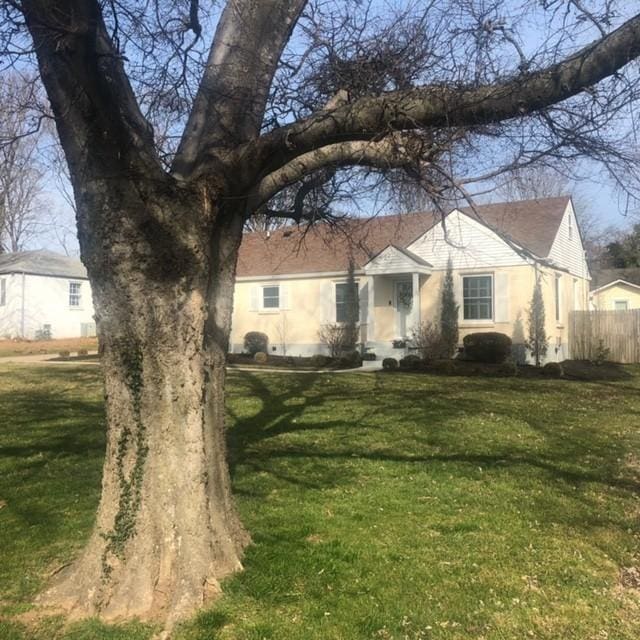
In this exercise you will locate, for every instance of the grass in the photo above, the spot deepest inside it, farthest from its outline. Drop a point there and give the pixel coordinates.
(381, 506)
(33, 347)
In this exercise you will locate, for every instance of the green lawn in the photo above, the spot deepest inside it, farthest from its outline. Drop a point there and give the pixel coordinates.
(381, 506)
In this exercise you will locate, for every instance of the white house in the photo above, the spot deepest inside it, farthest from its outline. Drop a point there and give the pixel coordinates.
(43, 293)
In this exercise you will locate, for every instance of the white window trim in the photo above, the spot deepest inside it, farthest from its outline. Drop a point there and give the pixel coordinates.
(261, 307)
(75, 307)
(479, 321)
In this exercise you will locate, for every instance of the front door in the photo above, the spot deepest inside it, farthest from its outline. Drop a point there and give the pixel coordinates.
(404, 302)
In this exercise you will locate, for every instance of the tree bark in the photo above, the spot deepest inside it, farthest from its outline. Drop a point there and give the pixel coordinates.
(167, 529)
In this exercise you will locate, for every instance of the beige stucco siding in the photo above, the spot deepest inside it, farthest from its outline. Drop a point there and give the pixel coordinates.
(519, 281)
(297, 324)
(309, 302)
(605, 299)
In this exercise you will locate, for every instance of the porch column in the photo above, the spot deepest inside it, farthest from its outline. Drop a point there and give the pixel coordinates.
(415, 305)
(370, 308)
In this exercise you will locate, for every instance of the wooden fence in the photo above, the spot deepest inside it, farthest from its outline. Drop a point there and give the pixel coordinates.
(617, 331)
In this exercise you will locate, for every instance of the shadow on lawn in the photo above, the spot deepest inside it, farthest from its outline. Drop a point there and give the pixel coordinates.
(422, 433)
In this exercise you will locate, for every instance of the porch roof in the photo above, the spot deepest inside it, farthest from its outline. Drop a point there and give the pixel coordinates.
(394, 260)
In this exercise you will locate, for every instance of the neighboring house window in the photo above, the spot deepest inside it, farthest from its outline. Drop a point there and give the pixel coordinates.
(477, 293)
(271, 297)
(557, 297)
(75, 295)
(3, 291)
(620, 305)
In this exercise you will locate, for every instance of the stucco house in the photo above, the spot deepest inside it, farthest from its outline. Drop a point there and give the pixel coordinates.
(616, 290)
(44, 293)
(292, 281)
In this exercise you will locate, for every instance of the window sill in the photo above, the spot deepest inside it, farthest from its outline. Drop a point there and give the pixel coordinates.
(268, 312)
(75, 309)
(476, 324)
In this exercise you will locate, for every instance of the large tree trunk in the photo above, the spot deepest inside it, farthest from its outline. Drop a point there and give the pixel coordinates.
(166, 529)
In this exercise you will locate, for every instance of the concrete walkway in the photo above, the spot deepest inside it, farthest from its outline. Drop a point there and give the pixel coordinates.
(44, 358)
(49, 358)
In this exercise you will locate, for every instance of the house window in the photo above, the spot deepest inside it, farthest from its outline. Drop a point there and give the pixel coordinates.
(271, 297)
(343, 300)
(477, 294)
(3, 291)
(620, 305)
(75, 295)
(570, 227)
(557, 297)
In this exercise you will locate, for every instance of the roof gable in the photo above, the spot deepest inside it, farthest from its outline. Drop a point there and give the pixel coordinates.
(605, 277)
(393, 259)
(616, 283)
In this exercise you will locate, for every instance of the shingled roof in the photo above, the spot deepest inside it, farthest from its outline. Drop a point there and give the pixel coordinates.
(531, 224)
(607, 276)
(42, 263)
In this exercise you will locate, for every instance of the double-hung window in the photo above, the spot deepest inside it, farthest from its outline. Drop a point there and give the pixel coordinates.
(271, 297)
(477, 294)
(3, 292)
(75, 294)
(345, 302)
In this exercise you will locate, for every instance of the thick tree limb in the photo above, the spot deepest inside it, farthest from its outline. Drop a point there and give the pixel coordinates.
(392, 151)
(231, 99)
(446, 106)
(97, 115)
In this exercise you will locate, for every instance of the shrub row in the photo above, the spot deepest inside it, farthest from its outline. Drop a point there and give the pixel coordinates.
(451, 367)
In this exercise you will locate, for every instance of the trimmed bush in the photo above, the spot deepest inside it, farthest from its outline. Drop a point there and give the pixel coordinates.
(445, 366)
(553, 370)
(350, 359)
(389, 364)
(508, 368)
(256, 341)
(260, 357)
(318, 360)
(64, 353)
(491, 347)
(411, 362)
(83, 352)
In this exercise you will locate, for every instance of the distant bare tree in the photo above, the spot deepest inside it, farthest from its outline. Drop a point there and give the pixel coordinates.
(21, 172)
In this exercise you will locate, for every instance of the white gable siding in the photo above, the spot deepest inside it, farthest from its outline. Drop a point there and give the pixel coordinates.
(568, 252)
(470, 245)
(390, 260)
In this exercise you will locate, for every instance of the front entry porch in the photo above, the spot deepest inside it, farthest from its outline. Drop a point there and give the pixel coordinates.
(394, 279)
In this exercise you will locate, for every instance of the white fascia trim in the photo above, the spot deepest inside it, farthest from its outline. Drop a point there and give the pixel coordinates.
(611, 284)
(298, 276)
